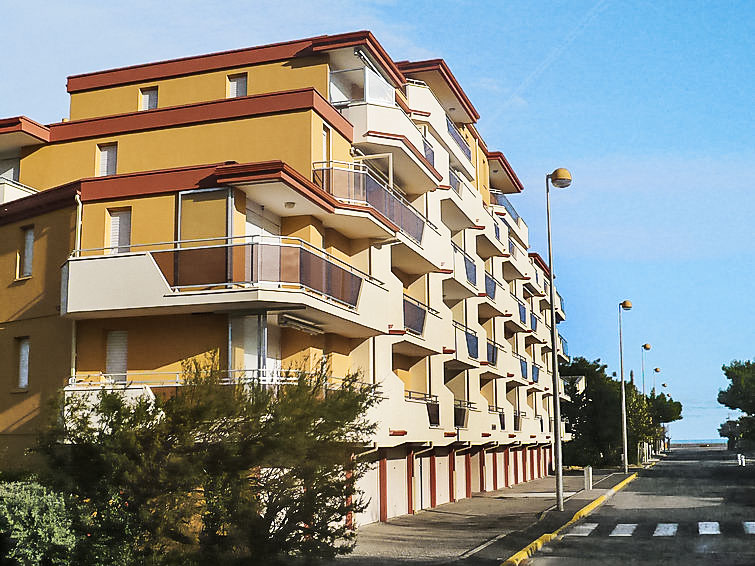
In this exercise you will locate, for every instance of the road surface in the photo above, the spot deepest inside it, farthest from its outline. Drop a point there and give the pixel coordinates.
(695, 507)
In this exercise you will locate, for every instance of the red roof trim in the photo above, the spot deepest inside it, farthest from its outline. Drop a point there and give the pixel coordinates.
(231, 59)
(440, 66)
(39, 203)
(498, 156)
(540, 262)
(212, 111)
(25, 125)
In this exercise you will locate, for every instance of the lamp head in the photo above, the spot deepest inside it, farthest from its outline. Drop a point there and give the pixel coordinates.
(657, 370)
(626, 305)
(560, 178)
(646, 346)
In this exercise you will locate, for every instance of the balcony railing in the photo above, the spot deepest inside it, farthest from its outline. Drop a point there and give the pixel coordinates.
(430, 401)
(428, 150)
(500, 199)
(564, 344)
(535, 373)
(492, 352)
(470, 339)
(491, 284)
(269, 262)
(501, 415)
(561, 300)
(455, 181)
(522, 314)
(469, 265)
(461, 412)
(522, 365)
(415, 315)
(514, 249)
(355, 183)
(533, 321)
(350, 86)
(458, 138)
(518, 416)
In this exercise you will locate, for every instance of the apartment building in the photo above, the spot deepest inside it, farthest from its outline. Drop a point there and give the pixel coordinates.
(277, 205)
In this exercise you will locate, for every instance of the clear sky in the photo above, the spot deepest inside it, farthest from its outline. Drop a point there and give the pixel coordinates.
(649, 103)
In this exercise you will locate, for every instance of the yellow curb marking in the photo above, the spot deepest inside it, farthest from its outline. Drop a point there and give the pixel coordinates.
(537, 544)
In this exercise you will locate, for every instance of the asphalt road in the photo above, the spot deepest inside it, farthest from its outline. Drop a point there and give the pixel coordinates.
(695, 507)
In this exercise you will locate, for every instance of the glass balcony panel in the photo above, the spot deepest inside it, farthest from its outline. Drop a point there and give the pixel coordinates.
(414, 316)
(472, 344)
(360, 85)
(458, 138)
(490, 286)
(492, 353)
(455, 181)
(501, 200)
(523, 366)
(379, 91)
(533, 321)
(535, 373)
(429, 152)
(522, 313)
(252, 263)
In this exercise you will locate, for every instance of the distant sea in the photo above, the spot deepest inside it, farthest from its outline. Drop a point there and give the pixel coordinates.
(699, 441)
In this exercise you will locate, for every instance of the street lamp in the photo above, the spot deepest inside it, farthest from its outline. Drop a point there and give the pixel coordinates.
(623, 306)
(656, 370)
(644, 347)
(560, 178)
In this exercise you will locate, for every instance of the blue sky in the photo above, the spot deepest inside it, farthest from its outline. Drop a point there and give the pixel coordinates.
(650, 104)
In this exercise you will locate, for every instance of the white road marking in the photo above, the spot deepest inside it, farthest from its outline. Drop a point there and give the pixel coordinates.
(623, 530)
(665, 530)
(582, 530)
(708, 528)
(749, 527)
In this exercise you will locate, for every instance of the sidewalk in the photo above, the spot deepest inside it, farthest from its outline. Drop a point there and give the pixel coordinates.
(485, 529)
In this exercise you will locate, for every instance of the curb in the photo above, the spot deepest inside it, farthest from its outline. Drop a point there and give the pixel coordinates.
(537, 544)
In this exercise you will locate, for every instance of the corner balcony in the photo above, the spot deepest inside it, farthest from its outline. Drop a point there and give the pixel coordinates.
(457, 205)
(260, 272)
(417, 250)
(516, 321)
(515, 262)
(462, 280)
(381, 127)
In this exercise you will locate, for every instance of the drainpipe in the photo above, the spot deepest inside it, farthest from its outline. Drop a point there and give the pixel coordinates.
(77, 241)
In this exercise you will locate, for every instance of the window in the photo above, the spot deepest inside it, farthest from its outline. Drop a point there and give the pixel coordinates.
(108, 156)
(236, 85)
(148, 98)
(22, 347)
(26, 253)
(116, 354)
(120, 231)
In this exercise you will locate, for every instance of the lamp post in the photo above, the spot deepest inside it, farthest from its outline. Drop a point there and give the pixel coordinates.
(560, 178)
(656, 370)
(644, 347)
(623, 306)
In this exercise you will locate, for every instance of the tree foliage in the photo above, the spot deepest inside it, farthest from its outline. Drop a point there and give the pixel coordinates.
(739, 395)
(595, 415)
(216, 471)
(35, 526)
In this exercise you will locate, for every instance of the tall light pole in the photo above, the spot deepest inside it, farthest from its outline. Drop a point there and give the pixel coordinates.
(644, 347)
(655, 370)
(560, 178)
(623, 306)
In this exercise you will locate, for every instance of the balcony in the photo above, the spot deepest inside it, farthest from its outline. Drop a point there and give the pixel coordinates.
(415, 315)
(516, 263)
(461, 412)
(500, 411)
(516, 224)
(536, 373)
(560, 309)
(492, 304)
(497, 198)
(516, 321)
(431, 404)
(466, 348)
(457, 208)
(244, 273)
(350, 86)
(356, 183)
(563, 350)
(461, 282)
(518, 417)
(458, 138)
(11, 190)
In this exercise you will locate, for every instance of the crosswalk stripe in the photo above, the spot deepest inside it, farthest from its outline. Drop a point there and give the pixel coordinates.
(708, 528)
(665, 530)
(582, 530)
(623, 530)
(749, 527)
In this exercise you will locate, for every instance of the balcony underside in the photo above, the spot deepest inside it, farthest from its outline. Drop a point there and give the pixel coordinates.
(415, 346)
(453, 214)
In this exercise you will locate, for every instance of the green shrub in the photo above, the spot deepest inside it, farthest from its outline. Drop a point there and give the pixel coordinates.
(35, 527)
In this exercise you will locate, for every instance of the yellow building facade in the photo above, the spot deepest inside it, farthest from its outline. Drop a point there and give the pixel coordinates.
(279, 205)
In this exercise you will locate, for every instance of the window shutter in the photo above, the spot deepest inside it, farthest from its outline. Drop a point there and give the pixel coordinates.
(108, 159)
(116, 361)
(26, 260)
(120, 231)
(23, 363)
(237, 86)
